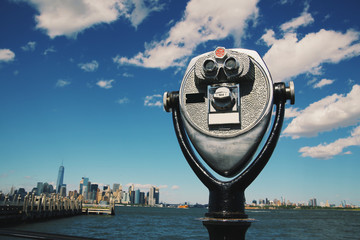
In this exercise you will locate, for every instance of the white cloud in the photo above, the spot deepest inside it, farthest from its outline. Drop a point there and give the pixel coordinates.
(6, 55)
(283, 2)
(292, 112)
(141, 9)
(105, 83)
(289, 56)
(323, 82)
(153, 101)
(202, 22)
(175, 187)
(49, 50)
(327, 151)
(329, 113)
(30, 46)
(145, 186)
(310, 82)
(138, 185)
(128, 75)
(89, 67)
(68, 18)
(303, 20)
(122, 100)
(62, 83)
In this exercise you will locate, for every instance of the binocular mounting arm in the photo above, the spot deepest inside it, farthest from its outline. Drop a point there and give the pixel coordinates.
(281, 94)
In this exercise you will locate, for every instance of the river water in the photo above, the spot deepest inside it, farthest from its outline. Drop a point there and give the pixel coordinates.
(170, 223)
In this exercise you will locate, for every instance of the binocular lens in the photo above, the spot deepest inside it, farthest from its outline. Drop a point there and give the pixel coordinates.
(230, 64)
(209, 66)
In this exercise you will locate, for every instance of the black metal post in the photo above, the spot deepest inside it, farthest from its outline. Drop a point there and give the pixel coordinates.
(226, 229)
(226, 218)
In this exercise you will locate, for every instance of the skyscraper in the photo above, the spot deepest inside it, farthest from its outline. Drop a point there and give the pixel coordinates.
(40, 188)
(84, 184)
(312, 202)
(137, 196)
(116, 186)
(154, 196)
(157, 195)
(60, 179)
(63, 190)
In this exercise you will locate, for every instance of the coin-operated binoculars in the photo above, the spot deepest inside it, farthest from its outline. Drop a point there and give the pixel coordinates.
(224, 107)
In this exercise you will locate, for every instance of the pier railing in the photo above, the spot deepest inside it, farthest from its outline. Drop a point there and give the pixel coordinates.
(33, 207)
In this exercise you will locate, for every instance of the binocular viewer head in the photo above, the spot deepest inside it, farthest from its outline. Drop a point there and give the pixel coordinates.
(225, 100)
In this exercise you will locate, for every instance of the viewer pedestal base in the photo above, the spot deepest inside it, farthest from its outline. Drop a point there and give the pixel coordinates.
(224, 228)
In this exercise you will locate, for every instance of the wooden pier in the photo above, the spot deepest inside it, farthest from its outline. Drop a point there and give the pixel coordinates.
(98, 209)
(42, 207)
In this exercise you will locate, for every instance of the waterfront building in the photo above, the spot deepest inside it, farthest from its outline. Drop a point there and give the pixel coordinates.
(277, 202)
(84, 188)
(51, 188)
(63, 190)
(154, 196)
(12, 190)
(107, 193)
(131, 188)
(312, 202)
(60, 179)
(48, 188)
(142, 198)
(93, 191)
(39, 187)
(117, 196)
(81, 185)
(98, 195)
(116, 186)
(21, 192)
(137, 196)
(33, 191)
(73, 194)
(94, 187)
(125, 198)
(157, 195)
(132, 197)
(151, 201)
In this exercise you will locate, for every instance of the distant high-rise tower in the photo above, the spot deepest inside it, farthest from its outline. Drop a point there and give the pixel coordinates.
(116, 186)
(154, 196)
(60, 179)
(84, 187)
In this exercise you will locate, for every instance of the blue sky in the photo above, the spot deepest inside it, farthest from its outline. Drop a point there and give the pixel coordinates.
(81, 82)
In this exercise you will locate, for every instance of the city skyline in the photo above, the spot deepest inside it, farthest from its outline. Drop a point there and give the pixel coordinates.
(312, 202)
(88, 192)
(85, 185)
(82, 83)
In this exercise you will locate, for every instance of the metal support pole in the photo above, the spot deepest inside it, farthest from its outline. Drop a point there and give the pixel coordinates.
(229, 229)
(226, 218)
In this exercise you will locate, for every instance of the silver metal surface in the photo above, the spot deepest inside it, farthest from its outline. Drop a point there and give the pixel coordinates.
(228, 148)
(166, 101)
(290, 92)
